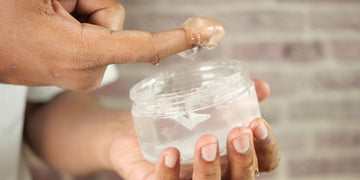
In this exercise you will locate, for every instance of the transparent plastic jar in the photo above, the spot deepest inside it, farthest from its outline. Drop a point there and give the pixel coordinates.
(175, 107)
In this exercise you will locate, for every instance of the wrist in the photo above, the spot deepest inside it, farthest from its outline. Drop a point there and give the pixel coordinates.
(115, 135)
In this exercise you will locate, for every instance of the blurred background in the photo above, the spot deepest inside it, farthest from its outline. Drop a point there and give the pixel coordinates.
(307, 50)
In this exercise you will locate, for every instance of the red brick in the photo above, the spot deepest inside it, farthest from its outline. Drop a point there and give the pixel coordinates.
(292, 141)
(344, 50)
(337, 139)
(324, 166)
(271, 113)
(342, 110)
(248, 51)
(272, 117)
(245, 21)
(302, 52)
(155, 22)
(283, 83)
(334, 21)
(338, 80)
(279, 51)
(261, 21)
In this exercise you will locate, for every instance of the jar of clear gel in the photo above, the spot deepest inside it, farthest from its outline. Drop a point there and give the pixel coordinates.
(175, 107)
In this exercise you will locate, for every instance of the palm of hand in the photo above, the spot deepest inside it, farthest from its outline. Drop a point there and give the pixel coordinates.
(127, 159)
(130, 163)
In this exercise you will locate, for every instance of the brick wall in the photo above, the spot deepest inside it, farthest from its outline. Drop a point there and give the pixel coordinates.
(309, 53)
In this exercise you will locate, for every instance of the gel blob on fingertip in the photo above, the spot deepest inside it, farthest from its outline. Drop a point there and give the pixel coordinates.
(201, 32)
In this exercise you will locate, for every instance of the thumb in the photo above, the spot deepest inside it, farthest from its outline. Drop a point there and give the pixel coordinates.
(138, 46)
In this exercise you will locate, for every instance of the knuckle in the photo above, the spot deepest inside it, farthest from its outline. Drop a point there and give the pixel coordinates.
(168, 176)
(43, 8)
(245, 163)
(154, 57)
(209, 172)
(155, 54)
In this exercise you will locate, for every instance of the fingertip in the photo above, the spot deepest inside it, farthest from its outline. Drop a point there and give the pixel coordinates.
(206, 139)
(260, 128)
(207, 147)
(203, 31)
(256, 122)
(171, 151)
(206, 158)
(168, 164)
(238, 132)
(240, 140)
(267, 148)
(170, 157)
(262, 89)
(241, 153)
(171, 161)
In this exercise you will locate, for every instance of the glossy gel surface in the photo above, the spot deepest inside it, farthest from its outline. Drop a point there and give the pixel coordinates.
(203, 32)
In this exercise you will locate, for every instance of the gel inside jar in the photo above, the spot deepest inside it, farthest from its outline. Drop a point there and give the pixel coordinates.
(174, 108)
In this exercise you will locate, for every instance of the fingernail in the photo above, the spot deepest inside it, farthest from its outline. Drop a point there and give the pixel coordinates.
(241, 144)
(208, 152)
(261, 132)
(170, 161)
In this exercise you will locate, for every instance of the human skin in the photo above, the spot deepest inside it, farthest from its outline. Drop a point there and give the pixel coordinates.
(76, 134)
(69, 43)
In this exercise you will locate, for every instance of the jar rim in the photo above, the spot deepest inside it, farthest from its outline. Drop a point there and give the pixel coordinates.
(228, 77)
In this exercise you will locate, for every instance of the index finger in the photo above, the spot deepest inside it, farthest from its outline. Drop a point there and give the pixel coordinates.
(139, 46)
